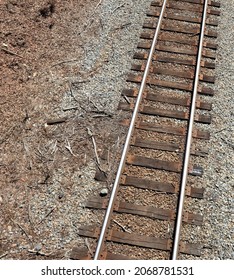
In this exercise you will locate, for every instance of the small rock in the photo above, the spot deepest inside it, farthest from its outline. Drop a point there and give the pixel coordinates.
(61, 195)
(100, 175)
(104, 192)
(38, 247)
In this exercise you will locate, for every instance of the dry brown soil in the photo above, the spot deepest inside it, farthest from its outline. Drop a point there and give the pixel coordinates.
(41, 141)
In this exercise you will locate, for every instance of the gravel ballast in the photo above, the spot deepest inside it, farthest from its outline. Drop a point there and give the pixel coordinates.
(218, 179)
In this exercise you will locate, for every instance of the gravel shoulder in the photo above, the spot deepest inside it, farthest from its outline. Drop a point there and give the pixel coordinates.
(219, 168)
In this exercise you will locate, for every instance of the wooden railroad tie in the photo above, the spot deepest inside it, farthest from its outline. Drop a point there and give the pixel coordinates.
(163, 97)
(145, 211)
(168, 84)
(144, 241)
(179, 131)
(149, 110)
(195, 8)
(166, 59)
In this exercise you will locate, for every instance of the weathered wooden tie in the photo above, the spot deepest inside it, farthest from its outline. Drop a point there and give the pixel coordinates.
(169, 84)
(166, 113)
(176, 38)
(163, 97)
(153, 13)
(145, 211)
(159, 186)
(140, 240)
(171, 59)
(195, 8)
(179, 131)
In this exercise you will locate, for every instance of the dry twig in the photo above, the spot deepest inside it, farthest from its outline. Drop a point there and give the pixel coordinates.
(40, 253)
(88, 246)
(46, 215)
(29, 216)
(228, 142)
(27, 153)
(54, 148)
(24, 231)
(89, 23)
(3, 255)
(122, 26)
(68, 147)
(94, 105)
(98, 4)
(127, 99)
(65, 61)
(221, 130)
(123, 227)
(94, 145)
(56, 121)
(70, 108)
(120, 6)
(11, 52)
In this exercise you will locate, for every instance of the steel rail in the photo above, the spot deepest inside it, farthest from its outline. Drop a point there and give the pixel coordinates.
(128, 139)
(175, 249)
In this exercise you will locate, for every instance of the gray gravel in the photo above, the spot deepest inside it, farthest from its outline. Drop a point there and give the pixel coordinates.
(108, 55)
(111, 53)
(217, 231)
(216, 234)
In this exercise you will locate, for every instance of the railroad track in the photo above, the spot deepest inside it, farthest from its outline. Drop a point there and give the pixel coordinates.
(170, 87)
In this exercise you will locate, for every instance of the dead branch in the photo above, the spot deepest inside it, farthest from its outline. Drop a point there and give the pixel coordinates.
(102, 113)
(122, 26)
(11, 52)
(71, 92)
(94, 145)
(56, 121)
(70, 108)
(88, 246)
(40, 253)
(46, 215)
(123, 227)
(24, 231)
(228, 143)
(126, 98)
(53, 150)
(101, 116)
(98, 4)
(94, 105)
(221, 130)
(68, 147)
(3, 255)
(27, 153)
(64, 61)
(192, 35)
(120, 6)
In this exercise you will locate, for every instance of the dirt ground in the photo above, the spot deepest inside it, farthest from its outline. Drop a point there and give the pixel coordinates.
(43, 140)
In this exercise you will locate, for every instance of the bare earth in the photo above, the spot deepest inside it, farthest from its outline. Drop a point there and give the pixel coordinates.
(47, 134)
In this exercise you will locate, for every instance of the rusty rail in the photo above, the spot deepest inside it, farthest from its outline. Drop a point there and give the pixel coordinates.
(128, 138)
(175, 249)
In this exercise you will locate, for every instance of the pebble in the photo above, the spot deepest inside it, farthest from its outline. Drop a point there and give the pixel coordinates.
(38, 247)
(104, 192)
(61, 195)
